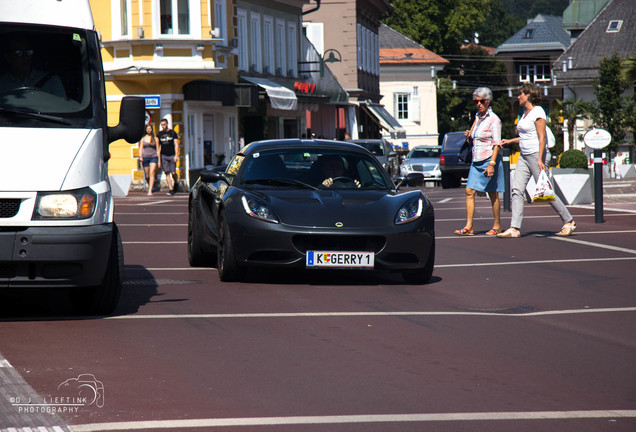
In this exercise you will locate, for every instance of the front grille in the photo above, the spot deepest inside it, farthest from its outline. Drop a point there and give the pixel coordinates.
(423, 168)
(9, 207)
(319, 242)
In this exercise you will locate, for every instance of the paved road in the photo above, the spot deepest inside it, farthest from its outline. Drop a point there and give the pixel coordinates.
(530, 334)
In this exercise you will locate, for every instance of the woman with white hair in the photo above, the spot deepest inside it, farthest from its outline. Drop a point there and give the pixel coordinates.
(486, 169)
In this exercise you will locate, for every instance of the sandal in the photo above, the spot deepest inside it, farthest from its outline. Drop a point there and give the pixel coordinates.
(464, 232)
(510, 233)
(493, 232)
(567, 229)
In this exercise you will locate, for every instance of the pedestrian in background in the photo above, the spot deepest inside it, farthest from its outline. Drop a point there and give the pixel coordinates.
(486, 169)
(149, 157)
(169, 151)
(534, 154)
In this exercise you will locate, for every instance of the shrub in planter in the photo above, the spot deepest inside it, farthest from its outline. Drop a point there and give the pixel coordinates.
(573, 159)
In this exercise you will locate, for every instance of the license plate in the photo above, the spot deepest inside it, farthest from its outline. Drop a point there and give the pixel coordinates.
(340, 259)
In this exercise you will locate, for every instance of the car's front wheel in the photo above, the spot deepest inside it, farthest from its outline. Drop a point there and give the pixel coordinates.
(227, 267)
(424, 274)
(196, 256)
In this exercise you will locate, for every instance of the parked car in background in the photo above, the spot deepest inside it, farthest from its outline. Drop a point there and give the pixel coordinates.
(308, 204)
(423, 160)
(383, 151)
(453, 168)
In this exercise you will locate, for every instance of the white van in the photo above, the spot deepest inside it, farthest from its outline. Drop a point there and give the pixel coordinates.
(56, 206)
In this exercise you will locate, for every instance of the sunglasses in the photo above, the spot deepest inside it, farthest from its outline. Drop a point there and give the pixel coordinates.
(21, 52)
(480, 101)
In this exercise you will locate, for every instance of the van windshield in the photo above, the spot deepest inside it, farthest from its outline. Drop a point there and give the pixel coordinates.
(44, 71)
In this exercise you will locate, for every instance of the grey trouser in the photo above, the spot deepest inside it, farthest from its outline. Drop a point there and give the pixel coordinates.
(527, 166)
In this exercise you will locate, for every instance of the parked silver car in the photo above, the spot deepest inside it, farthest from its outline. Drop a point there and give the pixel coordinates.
(423, 160)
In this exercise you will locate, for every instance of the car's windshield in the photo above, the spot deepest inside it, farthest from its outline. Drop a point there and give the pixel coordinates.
(424, 153)
(43, 71)
(312, 168)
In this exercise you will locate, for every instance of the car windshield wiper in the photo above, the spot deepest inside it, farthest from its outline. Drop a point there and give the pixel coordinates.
(280, 182)
(34, 114)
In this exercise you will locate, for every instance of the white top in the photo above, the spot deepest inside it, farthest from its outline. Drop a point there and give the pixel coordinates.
(62, 13)
(528, 137)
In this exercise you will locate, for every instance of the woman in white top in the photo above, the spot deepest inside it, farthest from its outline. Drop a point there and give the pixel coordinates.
(533, 146)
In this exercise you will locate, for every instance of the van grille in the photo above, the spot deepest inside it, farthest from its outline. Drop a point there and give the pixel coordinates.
(9, 207)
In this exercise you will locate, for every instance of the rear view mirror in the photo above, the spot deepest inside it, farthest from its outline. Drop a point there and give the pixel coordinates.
(131, 120)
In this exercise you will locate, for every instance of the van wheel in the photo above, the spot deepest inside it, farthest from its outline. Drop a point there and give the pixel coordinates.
(102, 299)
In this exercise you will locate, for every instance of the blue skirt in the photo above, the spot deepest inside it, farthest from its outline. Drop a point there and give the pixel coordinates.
(478, 181)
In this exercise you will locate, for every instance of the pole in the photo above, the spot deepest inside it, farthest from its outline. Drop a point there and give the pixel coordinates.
(506, 167)
(598, 186)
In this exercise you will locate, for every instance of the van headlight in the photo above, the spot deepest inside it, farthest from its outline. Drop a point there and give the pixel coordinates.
(77, 204)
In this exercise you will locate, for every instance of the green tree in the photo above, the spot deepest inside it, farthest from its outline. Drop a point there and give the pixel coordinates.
(499, 26)
(439, 25)
(628, 69)
(611, 109)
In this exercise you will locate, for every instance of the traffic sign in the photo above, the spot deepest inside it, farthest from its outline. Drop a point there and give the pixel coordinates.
(153, 102)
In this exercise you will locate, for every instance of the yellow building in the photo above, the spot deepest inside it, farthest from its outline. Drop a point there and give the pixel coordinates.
(180, 55)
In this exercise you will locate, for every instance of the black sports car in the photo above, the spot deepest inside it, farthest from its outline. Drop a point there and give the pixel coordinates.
(308, 204)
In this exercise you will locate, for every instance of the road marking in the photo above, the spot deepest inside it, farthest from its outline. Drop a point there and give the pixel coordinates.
(576, 260)
(375, 314)
(598, 245)
(154, 202)
(155, 242)
(437, 266)
(578, 233)
(625, 213)
(150, 225)
(616, 209)
(350, 419)
(445, 200)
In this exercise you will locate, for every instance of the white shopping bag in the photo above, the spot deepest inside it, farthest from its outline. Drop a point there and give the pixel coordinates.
(544, 190)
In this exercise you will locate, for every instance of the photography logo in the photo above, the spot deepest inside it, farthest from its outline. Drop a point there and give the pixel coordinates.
(72, 395)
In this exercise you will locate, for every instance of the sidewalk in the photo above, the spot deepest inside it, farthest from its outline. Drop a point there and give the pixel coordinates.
(619, 190)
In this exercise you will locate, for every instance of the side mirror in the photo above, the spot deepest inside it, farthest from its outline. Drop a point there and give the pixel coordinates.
(131, 120)
(212, 176)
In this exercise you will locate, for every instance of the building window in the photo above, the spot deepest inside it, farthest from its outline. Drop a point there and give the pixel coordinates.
(255, 43)
(268, 45)
(402, 106)
(534, 72)
(280, 48)
(292, 50)
(528, 34)
(175, 17)
(241, 28)
(614, 26)
(124, 17)
(220, 18)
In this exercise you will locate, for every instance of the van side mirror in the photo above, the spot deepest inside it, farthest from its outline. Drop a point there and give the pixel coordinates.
(131, 120)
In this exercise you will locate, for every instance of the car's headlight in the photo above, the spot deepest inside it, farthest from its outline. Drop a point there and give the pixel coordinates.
(258, 210)
(407, 167)
(77, 204)
(410, 211)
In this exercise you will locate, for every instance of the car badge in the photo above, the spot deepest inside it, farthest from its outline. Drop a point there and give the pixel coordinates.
(339, 224)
